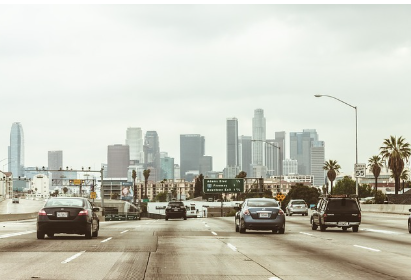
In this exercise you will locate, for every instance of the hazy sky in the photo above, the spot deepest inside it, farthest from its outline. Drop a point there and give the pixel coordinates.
(76, 76)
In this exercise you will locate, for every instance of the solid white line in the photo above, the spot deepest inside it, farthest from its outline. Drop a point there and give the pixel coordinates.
(380, 231)
(371, 249)
(232, 247)
(16, 234)
(105, 240)
(305, 233)
(214, 233)
(124, 231)
(73, 257)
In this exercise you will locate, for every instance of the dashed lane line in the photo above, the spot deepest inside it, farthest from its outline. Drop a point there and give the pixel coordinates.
(105, 240)
(73, 257)
(367, 248)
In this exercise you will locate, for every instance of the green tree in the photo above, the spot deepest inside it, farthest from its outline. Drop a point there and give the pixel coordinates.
(198, 186)
(396, 151)
(300, 191)
(242, 174)
(365, 190)
(375, 164)
(405, 176)
(345, 186)
(379, 197)
(65, 190)
(161, 197)
(146, 174)
(332, 168)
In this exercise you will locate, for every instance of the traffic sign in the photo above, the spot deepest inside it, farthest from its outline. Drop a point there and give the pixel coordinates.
(360, 170)
(93, 195)
(223, 185)
(77, 182)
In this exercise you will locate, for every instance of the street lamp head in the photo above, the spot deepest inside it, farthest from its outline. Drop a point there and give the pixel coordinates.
(317, 95)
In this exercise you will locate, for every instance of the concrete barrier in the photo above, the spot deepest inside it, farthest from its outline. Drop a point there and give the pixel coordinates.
(17, 217)
(387, 208)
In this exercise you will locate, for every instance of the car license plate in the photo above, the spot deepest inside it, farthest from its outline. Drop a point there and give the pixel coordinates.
(263, 215)
(62, 214)
(175, 209)
(343, 223)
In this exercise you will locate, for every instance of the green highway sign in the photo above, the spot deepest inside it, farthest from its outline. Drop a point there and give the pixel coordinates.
(223, 185)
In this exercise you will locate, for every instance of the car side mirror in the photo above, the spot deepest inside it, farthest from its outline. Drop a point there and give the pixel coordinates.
(96, 209)
(236, 208)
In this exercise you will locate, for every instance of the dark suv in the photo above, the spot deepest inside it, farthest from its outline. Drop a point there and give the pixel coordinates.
(176, 209)
(341, 211)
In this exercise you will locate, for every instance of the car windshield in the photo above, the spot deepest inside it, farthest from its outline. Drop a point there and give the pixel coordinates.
(262, 203)
(342, 204)
(64, 202)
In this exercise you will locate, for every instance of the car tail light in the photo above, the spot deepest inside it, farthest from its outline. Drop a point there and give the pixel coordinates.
(42, 213)
(83, 213)
(325, 216)
(246, 212)
(280, 212)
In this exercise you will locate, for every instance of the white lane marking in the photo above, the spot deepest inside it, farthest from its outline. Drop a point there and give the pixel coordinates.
(232, 247)
(124, 231)
(207, 225)
(16, 234)
(73, 257)
(306, 233)
(214, 233)
(138, 226)
(274, 278)
(380, 231)
(105, 240)
(371, 249)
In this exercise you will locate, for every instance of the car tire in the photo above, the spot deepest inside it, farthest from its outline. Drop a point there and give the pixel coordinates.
(166, 218)
(40, 235)
(282, 229)
(344, 228)
(290, 214)
(185, 217)
(355, 228)
(95, 234)
(89, 232)
(322, 227)
(237, 229)
(50, 235)
(313, 225)
(242, 227)
(409, 226)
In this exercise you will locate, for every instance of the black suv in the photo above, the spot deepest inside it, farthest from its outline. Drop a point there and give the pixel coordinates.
(176, 209)
(341, 211)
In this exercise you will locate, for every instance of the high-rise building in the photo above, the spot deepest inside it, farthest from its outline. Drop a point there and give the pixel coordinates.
(258, 137)
(55, 162)
(206, 164)
(280, 140)
(16, 150)
(152, 155)
(167, 167)
(192, 147)
(317, 162)
(118, 160)
(272, 157)
(245, 154)
(232, 142)
(290, 167)
(135, 141)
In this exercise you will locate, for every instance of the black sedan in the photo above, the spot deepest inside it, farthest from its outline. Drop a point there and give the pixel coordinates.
(70, 215)
(260, 214)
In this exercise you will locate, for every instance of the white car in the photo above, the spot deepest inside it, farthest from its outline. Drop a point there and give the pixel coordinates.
(296, 206)
(191, 211)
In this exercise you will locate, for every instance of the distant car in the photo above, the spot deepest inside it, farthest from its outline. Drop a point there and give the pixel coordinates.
(176, 209)
(15, 200)
(296, 206)
(341, 211)
(70, 215)
(191, 211)
(260, 214)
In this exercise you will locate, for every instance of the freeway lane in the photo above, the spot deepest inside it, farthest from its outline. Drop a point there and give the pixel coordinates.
(209, 249)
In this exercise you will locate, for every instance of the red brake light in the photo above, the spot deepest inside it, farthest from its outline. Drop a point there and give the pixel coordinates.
(280, 212)
(42, 213)
(83, 213)
(246, 212)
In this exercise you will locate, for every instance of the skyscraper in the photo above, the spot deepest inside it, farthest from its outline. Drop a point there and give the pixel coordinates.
(55, 162)
(244, 153)
(232, 142)
(152, 155)
(272, 157)
(118, 160)
(191, 150)
(16, 150)
(317, 162)
(280, 140)
(258, 137)
(135, 141)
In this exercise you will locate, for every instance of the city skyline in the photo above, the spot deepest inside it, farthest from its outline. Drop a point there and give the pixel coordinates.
(77, 76)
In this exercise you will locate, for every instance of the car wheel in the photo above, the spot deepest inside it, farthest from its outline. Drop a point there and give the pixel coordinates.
(286, 212)
(313, 225)
(237, 229)
(242, 227)
(89, 232)
(50, 235)
(40, 235)
(344, 228)
(409, 226)
(355, 228)
(290, 214)
(282, 229)
(185, 217)
(95, 234)
(322, 227)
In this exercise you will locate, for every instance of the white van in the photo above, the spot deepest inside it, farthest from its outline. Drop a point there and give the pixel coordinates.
(191, 211)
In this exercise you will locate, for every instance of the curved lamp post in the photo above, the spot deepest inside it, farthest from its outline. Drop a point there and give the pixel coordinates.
(356, 134)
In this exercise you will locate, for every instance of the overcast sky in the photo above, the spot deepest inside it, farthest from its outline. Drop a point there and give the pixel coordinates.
(77, 76)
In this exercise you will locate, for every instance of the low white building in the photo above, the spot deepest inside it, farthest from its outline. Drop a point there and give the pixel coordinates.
(41, 185)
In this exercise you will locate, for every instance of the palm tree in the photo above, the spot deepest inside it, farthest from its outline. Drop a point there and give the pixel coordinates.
(375, 164)
(333, 168)
(146, 174)
(405, 176)
(396, 151)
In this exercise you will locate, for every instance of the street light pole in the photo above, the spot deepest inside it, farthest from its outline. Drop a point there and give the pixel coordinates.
(356, 134)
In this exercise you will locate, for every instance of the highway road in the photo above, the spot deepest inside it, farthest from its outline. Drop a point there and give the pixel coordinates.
(210, 249)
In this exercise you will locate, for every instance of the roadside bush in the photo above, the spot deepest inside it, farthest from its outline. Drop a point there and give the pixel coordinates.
(230, 213)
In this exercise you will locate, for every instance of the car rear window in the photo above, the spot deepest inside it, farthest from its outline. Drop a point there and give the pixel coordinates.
(262, 203)
(64, 202)
(175, 204)
(342, 204)
(298, 202)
